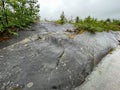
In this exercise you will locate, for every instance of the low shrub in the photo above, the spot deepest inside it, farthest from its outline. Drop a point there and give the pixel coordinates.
(93, 25)
(16, 14)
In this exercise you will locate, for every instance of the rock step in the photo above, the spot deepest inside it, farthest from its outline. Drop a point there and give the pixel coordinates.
(106, 76)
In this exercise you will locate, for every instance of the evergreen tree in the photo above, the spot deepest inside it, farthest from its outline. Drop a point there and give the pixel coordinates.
(62, 18)
(77, 19)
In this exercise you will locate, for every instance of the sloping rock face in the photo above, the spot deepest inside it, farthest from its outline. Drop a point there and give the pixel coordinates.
(35, 29)
(50, 60)
(106, 75)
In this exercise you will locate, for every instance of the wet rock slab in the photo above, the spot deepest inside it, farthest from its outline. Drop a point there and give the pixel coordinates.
(50, 60)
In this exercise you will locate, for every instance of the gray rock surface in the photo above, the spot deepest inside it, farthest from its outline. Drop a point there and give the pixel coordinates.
(51, 60)
(106, 75)
(35, 29)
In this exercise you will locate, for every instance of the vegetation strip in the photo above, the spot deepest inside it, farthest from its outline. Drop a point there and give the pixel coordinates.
(91, 24)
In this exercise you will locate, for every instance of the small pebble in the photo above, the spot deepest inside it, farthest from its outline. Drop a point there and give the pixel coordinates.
(26, 45)
(30, 84)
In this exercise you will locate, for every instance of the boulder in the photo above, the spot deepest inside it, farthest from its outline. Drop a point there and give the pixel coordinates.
(51, 60)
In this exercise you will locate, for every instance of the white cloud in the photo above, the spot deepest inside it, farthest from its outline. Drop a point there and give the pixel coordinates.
(101, 9)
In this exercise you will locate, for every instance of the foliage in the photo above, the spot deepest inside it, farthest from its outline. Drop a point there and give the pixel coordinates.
(71, 21)
(77, 19)
(93, 25)
(62, 19)
(111, 50)
(17, 14)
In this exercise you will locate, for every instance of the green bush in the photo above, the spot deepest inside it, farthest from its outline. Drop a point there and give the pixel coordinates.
(93, 25)
(17, 14)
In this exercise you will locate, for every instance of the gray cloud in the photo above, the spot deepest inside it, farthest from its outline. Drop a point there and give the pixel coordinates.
(96, 8)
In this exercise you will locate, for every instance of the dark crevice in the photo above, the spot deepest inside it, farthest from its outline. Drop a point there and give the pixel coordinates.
(54, 87)
(60, 57)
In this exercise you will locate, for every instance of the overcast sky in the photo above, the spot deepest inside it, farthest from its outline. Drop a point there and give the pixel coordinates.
(51, 9)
